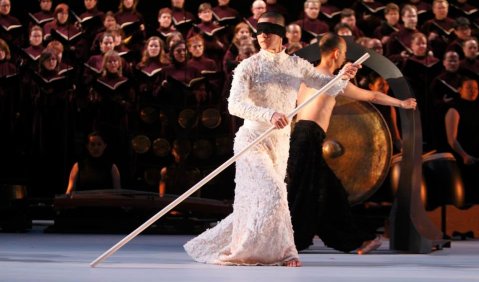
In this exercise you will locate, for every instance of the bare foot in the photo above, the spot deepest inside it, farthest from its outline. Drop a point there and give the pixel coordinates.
(369, 246)
(292, 263)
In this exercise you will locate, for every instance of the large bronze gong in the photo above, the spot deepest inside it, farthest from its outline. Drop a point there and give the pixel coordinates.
(358, 147)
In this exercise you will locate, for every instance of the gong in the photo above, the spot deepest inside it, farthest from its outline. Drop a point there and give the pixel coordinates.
(358, 147)
(211, 118)
(141, 144)
(148, 115)
(188, 118)
(161, 147)
(202, 149)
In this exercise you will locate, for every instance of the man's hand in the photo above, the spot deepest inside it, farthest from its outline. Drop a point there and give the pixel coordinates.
(279, 120)
(349, 70)
(409, 103)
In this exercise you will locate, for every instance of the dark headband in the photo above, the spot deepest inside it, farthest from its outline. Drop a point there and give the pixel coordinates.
(270, 28)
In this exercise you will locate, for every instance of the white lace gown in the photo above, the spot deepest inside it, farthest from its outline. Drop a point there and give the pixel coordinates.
(259, 231)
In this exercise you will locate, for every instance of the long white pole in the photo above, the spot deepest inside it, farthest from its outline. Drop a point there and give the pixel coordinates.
(215, 172)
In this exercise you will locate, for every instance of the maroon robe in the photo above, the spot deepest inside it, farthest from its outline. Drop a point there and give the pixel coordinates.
(94, 65)
(357, 32)
(312, 28)
(424, 11)
(470, 67)
(385, 29)
(444, 88)
(208, 68)
(66, 33)
(456, 46)
(399, 41)
(252, 23)
(445, 29)
(72, 38)
(163, 33)
(148, 83)
(129, 55)
(215, 40)
(11, 30)
(112, 106)
(330, 14)
(369, 15)
(203, 64)
(32, 54)
(225, 15)
(130, 22)
(180, 81)
(463, 10)
(41, 18)
(91, 22)
(229, 59)
(182, 20)
(51, 129)
(181, 72)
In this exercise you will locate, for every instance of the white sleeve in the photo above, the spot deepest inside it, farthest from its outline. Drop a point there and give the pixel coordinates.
(239, 102)
(313, 79)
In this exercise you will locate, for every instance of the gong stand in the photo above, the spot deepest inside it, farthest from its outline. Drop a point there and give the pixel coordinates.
(410, 228)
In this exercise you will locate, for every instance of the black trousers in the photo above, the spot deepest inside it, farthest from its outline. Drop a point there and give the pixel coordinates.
(317, 200)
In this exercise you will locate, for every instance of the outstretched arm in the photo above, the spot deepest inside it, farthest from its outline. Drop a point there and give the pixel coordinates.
(354, 92)
(314, 79)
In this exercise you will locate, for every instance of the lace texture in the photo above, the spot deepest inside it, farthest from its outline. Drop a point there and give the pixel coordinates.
(259, 231)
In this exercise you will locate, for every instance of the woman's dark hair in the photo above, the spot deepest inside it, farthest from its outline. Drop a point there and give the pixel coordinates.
(172, 50)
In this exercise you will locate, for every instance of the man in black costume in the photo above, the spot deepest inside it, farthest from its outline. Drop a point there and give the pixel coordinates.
(317, 200)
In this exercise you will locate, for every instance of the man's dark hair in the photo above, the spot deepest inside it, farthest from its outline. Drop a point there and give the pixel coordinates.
(279, 19)
(329, 42)
(462, 22)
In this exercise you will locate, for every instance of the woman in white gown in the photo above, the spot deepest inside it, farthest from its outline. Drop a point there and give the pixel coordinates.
(265, 86)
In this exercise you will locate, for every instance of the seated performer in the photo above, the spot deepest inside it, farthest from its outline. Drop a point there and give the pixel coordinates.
(96, 171)
(317, 200)
(462, 132)
(264, 87)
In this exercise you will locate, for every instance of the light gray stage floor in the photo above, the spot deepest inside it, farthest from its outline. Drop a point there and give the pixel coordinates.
(36, 256)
